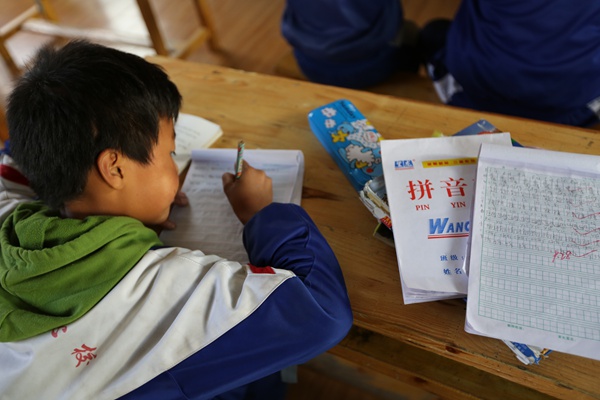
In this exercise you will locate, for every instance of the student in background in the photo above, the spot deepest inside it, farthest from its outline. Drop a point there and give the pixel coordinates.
(92, 305)
(350, 43)
(538, 59)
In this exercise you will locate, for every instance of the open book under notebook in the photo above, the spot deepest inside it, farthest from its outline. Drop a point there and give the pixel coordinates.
(193, 132)
(208, 224)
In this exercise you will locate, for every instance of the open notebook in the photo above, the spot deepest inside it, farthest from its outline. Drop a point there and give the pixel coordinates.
(193, 132)
(209, 224)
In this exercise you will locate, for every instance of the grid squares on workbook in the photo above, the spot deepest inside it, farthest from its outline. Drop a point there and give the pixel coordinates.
(540, 254)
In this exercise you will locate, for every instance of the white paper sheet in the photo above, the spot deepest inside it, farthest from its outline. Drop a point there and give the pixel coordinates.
(430, 186)
(209, 224)
(534, 261)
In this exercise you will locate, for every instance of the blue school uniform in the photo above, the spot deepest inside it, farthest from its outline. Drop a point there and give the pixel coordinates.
(177, 323)
(537, 59)
(346, 42)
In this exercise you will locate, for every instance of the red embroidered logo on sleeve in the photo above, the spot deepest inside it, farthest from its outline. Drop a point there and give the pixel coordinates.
(261, 270)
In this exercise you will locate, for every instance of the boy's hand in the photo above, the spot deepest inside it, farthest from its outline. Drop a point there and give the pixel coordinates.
(181, 200)
(248, 194)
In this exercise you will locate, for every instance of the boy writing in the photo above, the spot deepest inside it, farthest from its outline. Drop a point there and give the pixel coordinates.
(91, 304)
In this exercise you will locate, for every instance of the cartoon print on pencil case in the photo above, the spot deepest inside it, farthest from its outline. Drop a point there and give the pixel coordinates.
(362, 150)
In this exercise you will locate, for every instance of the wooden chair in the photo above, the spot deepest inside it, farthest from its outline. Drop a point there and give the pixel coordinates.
(41, 18)
(41, 9)
(202, 34)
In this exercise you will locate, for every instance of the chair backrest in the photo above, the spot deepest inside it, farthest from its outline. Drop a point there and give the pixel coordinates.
(48, 24)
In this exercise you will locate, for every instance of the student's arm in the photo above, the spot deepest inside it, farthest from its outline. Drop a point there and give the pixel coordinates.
(250, 193)
(14, 187)
(305, 316)
(284, 236)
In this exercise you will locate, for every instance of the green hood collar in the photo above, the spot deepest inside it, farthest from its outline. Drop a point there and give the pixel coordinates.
(53, 270)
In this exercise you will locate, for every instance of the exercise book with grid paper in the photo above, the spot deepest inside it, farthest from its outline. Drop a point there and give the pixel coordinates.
(208, 223)
(534, 259)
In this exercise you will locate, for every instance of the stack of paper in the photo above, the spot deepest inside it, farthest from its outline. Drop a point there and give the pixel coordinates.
(430, 185)
(374, 197)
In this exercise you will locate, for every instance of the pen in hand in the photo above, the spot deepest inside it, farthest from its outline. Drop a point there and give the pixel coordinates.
(239, 160)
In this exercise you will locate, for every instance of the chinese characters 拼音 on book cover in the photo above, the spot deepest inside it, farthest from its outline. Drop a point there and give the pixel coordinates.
(430, 185)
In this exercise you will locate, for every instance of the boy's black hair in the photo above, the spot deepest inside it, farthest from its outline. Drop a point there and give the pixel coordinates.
(78, 100)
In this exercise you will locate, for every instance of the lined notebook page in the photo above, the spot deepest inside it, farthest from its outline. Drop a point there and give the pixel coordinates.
(209, 224)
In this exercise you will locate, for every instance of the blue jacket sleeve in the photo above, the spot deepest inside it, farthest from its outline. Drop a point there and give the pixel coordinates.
(305, 316)
(284, 236)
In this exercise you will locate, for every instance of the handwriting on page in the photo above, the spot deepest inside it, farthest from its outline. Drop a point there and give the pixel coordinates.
(212, 212)
(541, 252)
(209, 224)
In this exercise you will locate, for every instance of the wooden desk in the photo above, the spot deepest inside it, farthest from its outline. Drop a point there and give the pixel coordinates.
(422, 344)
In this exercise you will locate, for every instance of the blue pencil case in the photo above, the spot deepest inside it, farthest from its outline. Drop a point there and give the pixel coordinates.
(350, 139)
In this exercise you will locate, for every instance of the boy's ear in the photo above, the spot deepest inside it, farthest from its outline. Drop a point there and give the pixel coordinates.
(109, 164)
